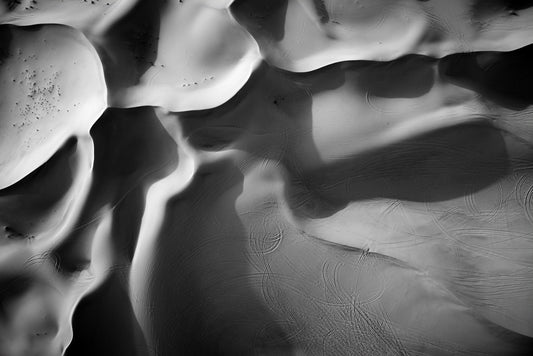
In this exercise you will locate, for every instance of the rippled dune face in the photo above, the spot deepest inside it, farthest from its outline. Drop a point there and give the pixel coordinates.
(253, 177)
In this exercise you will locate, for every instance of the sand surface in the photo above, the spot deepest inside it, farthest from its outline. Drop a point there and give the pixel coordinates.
(253, 177)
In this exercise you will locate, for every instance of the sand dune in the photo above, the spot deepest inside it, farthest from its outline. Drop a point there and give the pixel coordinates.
(304, 35)
(177, 55)
(285, 177)
(85, 15)
(54, 88)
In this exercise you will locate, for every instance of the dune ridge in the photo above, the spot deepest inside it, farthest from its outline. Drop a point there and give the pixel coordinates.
(266, 177)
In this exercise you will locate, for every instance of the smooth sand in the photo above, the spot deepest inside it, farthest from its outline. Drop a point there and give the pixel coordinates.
(282, 177)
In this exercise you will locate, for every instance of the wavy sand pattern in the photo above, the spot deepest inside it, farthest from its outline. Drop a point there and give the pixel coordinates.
(252, 177)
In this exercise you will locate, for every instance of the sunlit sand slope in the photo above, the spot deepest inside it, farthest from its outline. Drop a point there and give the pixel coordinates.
(303, 35)
(52, 87)
(283, 177)
(178, 55)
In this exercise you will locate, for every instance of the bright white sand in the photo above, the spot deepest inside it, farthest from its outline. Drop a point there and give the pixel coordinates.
(284, 177)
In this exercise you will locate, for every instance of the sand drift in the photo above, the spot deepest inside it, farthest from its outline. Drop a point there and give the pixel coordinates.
(266, 177)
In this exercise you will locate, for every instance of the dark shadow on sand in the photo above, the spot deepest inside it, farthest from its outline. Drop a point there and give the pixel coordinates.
(202, 300)
(505, 78)
(130, 45)
(132, 150)
(442, 165)
(438, 166)
(104, 323)
(259, 16)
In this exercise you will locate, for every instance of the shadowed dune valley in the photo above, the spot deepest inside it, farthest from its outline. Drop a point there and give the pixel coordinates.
(266, 177)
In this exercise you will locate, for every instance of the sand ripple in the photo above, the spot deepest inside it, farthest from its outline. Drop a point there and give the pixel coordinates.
(300, 177)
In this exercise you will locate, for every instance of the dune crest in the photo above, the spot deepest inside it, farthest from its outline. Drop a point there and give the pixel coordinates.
(281, 177)
(304, 35)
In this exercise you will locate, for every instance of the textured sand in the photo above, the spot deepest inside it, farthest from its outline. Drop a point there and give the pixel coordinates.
(253, 177)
